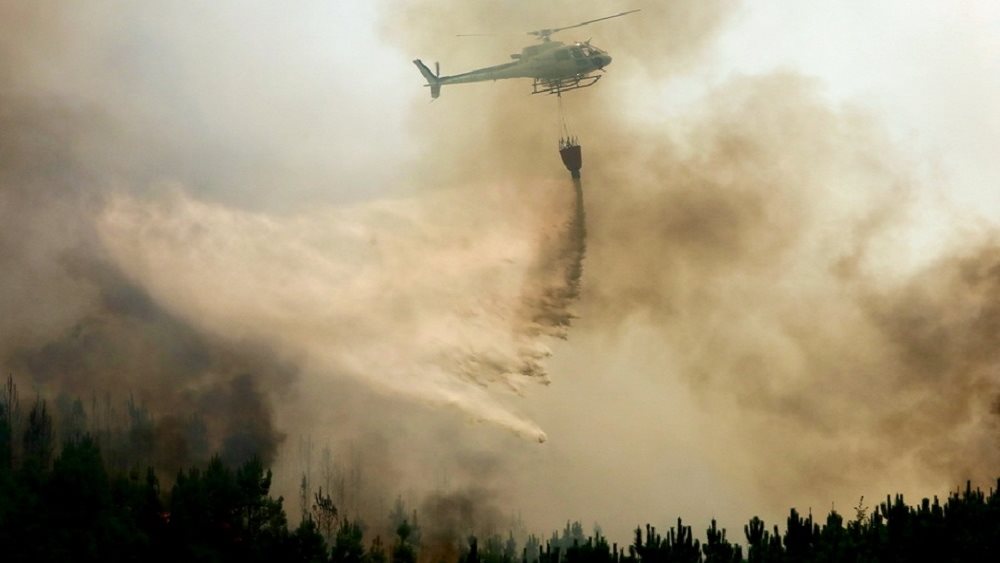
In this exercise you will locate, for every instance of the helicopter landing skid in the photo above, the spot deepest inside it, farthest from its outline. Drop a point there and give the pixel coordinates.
(558, 86)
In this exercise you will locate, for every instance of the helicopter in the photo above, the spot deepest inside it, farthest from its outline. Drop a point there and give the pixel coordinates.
(555, 67)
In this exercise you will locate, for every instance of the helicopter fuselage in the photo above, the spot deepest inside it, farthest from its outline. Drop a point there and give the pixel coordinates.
(551, 60)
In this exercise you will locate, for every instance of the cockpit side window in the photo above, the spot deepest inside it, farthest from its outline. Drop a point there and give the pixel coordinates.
(577, 53)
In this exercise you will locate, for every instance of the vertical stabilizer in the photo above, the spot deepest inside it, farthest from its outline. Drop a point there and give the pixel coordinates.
(433, 78)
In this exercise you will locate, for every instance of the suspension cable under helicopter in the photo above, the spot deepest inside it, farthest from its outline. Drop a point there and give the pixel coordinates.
(563, 128)
(569, 146)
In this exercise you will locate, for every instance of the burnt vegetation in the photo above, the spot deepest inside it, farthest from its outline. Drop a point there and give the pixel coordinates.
(97, 496)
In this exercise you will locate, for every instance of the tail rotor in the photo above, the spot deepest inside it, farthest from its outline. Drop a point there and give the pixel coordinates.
(433, 78)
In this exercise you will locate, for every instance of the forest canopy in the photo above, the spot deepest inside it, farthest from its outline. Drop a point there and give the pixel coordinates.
(97, 496)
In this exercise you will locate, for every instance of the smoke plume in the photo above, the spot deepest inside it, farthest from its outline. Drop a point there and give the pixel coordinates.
(453, 517)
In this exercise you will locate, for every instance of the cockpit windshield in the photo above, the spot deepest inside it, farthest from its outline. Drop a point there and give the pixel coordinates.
(586, 50)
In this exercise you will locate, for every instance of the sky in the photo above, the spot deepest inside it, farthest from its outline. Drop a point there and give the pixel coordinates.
(788, 239)
(927, 69)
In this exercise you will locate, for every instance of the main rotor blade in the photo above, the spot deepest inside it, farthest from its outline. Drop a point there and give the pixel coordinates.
(484, 34)
(547, 32)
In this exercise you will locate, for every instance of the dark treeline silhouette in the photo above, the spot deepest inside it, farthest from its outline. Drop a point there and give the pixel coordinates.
(74, 503)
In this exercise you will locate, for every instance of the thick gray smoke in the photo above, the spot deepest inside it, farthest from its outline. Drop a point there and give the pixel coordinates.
(200, 206)
(453, 516)
(75, 327)
(771, 262)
